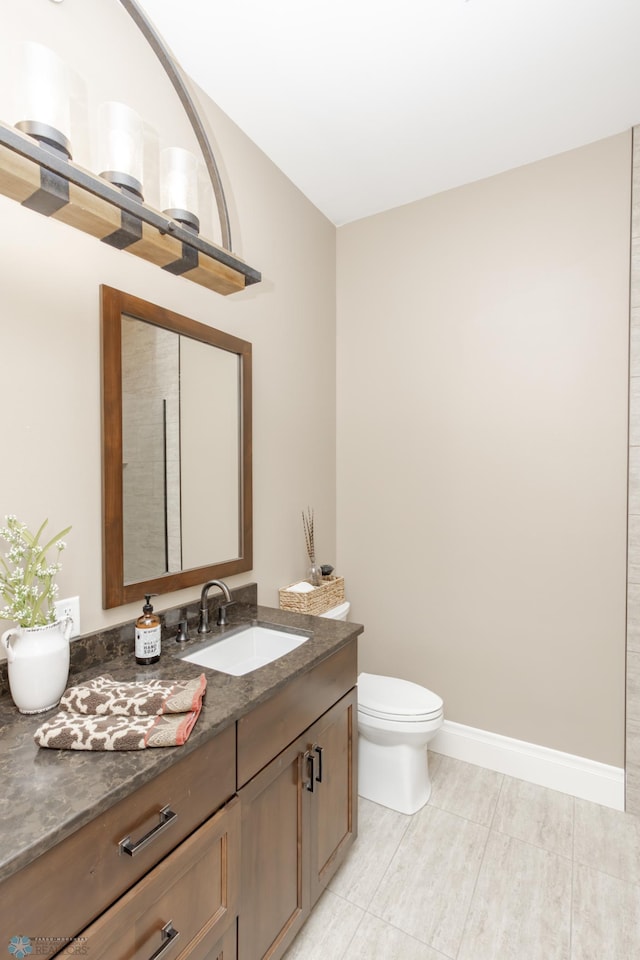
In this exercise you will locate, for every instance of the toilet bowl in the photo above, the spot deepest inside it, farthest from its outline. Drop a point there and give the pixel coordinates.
(396, 720)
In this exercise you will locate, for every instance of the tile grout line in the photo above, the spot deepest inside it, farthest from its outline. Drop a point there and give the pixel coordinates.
(391, 859)
(484, 853)
(495, 809)
(531, 843)
(473, 893)
(605, 873)
(490, 830)
(410, 936)
(573, 874)
(384, 873)
(345, 952)
(365, 910)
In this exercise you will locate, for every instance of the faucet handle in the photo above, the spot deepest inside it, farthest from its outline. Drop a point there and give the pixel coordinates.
(182, 636)
(222, 612)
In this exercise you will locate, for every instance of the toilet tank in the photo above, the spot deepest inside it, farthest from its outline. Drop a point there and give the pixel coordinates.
(341, 612)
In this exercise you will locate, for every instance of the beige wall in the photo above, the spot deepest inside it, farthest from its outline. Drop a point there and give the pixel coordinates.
(482, 425)
(50, 450)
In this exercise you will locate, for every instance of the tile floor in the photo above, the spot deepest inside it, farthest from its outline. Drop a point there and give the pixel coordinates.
(491, 868)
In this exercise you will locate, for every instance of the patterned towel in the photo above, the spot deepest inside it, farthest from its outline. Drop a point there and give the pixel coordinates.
(103, 695)
(71, 731)
(119, 721)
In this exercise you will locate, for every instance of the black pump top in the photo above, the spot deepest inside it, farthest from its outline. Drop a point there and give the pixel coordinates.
(147, 608)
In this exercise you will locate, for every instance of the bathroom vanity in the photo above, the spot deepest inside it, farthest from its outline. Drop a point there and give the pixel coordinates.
(211, 851)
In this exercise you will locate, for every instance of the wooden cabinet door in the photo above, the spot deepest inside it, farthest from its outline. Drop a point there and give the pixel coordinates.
(299, 818)
(332, 742)
(275, 888)
(224, 949)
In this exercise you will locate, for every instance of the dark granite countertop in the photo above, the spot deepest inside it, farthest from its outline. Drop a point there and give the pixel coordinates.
(49, 794)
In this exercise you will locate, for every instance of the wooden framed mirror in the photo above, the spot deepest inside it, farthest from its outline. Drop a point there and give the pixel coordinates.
(176, 450)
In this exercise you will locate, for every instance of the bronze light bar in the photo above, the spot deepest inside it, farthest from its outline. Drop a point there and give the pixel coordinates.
(45, 180)
(171, 68)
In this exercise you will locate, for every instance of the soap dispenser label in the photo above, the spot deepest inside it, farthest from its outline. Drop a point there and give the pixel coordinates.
(148, 642)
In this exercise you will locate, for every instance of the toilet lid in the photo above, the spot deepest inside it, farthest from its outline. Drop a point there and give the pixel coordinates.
(391, 698)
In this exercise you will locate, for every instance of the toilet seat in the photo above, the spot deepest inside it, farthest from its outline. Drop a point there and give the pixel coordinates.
(390, 698)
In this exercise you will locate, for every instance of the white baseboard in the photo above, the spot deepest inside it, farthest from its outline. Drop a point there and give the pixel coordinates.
(570, 774)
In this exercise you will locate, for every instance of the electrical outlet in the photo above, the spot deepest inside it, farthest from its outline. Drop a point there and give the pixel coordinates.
(69, 608)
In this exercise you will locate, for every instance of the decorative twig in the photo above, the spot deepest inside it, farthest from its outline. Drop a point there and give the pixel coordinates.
(307, 524)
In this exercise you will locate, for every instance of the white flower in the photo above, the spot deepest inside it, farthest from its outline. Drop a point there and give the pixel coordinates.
(26, 578)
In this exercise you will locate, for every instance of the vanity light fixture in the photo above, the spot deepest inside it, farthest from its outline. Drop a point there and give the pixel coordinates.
(37, 170)
(44, 98)
(179, 186)
(120, 146)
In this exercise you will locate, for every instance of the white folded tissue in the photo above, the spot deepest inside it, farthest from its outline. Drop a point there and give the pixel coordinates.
(302, 587)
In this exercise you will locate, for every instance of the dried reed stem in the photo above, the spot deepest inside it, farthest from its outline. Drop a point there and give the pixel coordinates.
(307, 524)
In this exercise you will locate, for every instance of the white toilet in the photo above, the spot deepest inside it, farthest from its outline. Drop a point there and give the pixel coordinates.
(396, 721)
(340, 612)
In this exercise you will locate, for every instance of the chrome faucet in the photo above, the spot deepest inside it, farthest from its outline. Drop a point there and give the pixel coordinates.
(203, 625)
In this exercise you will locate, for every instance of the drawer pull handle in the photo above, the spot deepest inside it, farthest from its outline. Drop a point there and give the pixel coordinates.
(131, 848)
(169, 935)
(318, 750)
(309, 759)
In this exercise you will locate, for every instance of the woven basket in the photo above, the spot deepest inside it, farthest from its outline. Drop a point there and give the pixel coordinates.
(329, 594)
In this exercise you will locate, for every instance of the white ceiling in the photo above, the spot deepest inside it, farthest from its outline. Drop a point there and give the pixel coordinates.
(369, 104)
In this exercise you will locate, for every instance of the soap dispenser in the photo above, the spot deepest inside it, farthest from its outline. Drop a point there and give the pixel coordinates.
(148, 632)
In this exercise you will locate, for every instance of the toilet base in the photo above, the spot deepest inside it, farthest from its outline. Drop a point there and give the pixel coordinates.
(393, 776)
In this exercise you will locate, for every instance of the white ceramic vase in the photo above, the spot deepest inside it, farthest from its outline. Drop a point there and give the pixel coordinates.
(38, 661)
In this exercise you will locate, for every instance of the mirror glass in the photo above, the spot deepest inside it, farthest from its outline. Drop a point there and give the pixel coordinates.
(176, 449)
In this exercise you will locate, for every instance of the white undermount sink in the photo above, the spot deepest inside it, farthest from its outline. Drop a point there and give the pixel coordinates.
(246, 649)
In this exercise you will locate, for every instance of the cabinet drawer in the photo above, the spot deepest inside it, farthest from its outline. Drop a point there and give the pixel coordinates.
(192, 896)
(77, 879)
(268, 729)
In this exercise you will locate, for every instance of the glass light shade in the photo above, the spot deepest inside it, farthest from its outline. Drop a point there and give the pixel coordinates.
(120, 145)
(45, 95)
(179, 185)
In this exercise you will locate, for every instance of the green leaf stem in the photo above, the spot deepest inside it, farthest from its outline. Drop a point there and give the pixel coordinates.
(26, 578)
